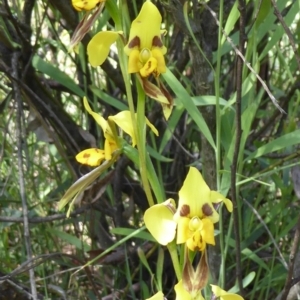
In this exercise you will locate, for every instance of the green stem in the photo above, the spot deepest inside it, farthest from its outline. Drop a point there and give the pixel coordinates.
(141, 141)
(172, 247)
(218, 142)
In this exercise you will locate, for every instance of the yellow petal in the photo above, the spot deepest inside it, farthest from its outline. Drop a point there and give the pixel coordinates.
(85, 4)
(183, 232)
(181, 293)
(99, 45)
(149, 67)
(109, 148)
(146, 27)
(194, 198)
(158, 55)
(134, 64)
(157, 296)
(217, 198)
(159, 221)
(152, 127)
(223, 294)
(98, 118)
(207, 231)
(196, 243)
(123, 120)
(91, 157)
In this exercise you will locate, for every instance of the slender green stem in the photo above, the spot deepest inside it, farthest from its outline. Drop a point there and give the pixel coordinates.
(172, 247)
(141, 141)
(218, 141)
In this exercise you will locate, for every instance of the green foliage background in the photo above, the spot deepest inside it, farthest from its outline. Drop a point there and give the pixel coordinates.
(43, 126)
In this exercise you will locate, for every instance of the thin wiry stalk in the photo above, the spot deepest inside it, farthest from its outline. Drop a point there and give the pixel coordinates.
(238, 117)
(20, 137)
(287, 31)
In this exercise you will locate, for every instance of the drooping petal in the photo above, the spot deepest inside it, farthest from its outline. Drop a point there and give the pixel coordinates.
(159, 221)
(123, 120)
(217, 198)
(181, 293)
(158, 296)
(194, 198)
(91, 157)
(167, 108)
(98, 118)
(99, 45)
(152, 127)
(85, 4)
(146, 27)
(152, 90)
(224, 295)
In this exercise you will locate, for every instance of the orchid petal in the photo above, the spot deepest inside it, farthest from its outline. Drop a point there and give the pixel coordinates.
(207, 231)
(183, 232)
(158, 296)
(194, 198)
(223, 294)
(99, 46)
(149, 67)
(80, 5)
(158, 55)
(98, 118)
(152, 127)
(91, 157)
(123, 120)
(159, 221)
(146, 27)
(153, 91)
(134, 64)
(182, 294)
(217, 198)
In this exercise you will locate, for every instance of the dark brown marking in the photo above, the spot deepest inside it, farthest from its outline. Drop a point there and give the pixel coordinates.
(86, 155)
(207, 210)
(156, 42)
(184, 210)
(135, 42)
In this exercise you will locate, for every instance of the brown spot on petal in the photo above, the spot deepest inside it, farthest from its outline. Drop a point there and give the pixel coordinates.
(207, 210)
(135, 42)
(156, 42)
(86, 155)
(184, 210)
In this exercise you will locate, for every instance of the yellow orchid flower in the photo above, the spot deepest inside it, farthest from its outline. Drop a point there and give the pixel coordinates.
(194, 217)
(158, 296)
(111, 139)
(183, 294)
(145, 48)
(93, 157)
(223, 295)
(80, 5)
